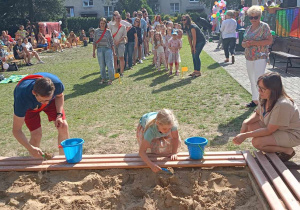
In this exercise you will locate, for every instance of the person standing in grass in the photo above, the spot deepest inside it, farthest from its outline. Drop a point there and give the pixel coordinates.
(33, 94)
(196, 41)
(104, 43)
(158, 131)
(257, 39)
(275, 125)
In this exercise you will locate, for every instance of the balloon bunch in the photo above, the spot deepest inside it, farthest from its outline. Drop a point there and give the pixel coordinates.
(218, 13)
(218, 9)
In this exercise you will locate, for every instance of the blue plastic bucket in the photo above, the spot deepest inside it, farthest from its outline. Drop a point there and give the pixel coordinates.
(73, 149)
(196, 147)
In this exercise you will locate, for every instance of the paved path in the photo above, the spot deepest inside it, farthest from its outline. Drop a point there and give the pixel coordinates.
(291, 80)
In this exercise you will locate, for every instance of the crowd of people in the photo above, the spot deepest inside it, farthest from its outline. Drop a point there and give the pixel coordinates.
(120, 44)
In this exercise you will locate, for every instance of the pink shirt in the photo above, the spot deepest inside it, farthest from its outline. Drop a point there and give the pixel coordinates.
(176, 43)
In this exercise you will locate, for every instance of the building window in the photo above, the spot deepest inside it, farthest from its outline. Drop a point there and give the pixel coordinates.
(88, 3)
(70, 11)
(108, 11)
(194, 0)
(174, 7)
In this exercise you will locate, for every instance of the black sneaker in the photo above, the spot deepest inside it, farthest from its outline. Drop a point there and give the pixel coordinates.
(28, 64)
(251, 104)
(121, 75)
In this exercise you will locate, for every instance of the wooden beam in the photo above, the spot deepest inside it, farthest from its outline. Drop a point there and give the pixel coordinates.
(133, 155)
(280, 186)
(208, 163)
(286, 174)
(263, 183)
(35, 161)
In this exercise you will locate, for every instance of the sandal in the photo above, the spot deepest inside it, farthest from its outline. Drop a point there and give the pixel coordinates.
(197, 75)
(232, 59)
(101, 82)
(170, 73)
(226, 60)
(177, 73)
(251, 104)
(109, 83)
(285, 157)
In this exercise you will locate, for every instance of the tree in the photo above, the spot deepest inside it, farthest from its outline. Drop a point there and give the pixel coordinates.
(16, 12)
(133, 5)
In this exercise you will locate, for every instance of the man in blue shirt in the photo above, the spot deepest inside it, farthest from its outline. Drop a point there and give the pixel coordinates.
(33, 94)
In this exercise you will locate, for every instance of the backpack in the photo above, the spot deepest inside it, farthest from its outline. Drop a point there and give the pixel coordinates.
(12, 67)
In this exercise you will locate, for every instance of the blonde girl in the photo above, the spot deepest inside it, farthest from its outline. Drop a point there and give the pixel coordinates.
(159, 47)
(151, 34)
(158, 131)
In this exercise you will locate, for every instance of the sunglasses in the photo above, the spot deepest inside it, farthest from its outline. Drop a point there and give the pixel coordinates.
(253, 17)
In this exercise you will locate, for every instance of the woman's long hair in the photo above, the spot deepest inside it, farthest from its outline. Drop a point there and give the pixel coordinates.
(158, 17)
(103, 19)
(164, 117)
(272, 81)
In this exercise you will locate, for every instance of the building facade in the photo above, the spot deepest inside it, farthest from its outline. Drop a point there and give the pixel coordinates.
(89, 8)
(105, 8)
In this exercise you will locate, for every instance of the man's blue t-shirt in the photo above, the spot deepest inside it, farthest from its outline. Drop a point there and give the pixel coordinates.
(25, 100)
(152, 132)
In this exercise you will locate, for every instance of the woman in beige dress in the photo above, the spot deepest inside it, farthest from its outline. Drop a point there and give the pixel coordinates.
(275, 125)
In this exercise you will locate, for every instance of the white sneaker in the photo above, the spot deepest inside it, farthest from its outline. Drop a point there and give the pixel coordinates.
(41, 62)
(144, 58)
(140, 61)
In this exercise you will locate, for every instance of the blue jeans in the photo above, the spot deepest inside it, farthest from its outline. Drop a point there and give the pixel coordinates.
(196, 56)
(129, 48)
(105, 58)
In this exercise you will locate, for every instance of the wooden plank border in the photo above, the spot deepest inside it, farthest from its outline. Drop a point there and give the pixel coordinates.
(286, 174)
(263, 183)
(279, 185)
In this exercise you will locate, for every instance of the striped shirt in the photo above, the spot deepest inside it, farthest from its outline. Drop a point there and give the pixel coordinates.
(106, 41)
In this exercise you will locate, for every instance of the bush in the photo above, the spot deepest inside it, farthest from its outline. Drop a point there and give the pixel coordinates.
(76, 24)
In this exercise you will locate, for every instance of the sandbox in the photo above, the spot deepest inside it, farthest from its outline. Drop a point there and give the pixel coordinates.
(187, 188)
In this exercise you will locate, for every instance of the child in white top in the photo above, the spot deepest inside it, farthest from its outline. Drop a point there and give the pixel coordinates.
(174, 58)
(167, 38)
(158, 45)
(151, 34)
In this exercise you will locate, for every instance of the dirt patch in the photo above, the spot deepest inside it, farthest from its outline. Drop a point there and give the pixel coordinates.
(128, 189)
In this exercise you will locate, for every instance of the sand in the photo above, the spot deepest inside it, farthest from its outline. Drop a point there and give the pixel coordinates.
(225, 188)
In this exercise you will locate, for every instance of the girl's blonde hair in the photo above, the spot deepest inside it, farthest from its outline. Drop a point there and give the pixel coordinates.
(155, 40)
(164, 117)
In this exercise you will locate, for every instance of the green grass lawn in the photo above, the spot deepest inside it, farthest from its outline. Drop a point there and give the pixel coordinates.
(106, 117)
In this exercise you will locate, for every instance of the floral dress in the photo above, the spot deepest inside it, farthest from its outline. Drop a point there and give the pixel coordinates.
(261, 33)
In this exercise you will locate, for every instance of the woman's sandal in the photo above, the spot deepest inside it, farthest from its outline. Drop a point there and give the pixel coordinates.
(197, 75)
(285, 157)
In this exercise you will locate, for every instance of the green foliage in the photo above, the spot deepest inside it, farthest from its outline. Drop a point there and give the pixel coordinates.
(133, 5)
(76, 24)
(15, 12)
(124, 14)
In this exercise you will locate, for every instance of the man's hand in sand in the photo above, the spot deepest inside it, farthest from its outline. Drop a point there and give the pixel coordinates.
(155, 168)
(36, 152)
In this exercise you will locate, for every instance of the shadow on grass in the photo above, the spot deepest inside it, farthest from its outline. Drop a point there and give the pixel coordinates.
(82, 89)
(227, 129)
(161, 79)
(144, 70)
(213, 66)
(92, 74)
(172, 86)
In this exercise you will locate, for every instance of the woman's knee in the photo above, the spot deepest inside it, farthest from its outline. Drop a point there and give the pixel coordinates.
(257, 143)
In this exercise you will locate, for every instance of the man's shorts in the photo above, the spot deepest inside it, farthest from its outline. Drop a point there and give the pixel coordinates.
(19, 57)
(120, 50)
(33, 119)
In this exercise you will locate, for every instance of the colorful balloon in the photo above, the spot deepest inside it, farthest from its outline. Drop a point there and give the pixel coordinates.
(214, 15)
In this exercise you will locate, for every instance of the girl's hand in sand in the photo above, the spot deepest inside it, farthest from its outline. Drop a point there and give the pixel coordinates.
(239, 139)
(155, 168)
(174, 157)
